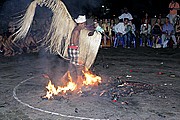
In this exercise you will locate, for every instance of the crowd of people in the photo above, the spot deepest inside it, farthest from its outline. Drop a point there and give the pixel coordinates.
(161, 33)
(31, 43)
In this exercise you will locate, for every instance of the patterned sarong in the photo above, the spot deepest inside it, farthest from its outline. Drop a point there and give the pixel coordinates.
(73, 55)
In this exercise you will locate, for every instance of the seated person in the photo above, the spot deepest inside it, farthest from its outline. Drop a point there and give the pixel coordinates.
(106, 27)
(7, 47)
(1, 43)
(123, 33)
(156, 32)
(30, 44)
(177, 30)
(132, 30)
(145, 33)
(98, 28)
(168, 33)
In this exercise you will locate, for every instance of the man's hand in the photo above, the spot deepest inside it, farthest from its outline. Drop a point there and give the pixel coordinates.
(91, 33)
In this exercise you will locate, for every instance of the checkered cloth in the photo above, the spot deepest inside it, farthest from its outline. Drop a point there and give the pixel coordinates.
(73, 55)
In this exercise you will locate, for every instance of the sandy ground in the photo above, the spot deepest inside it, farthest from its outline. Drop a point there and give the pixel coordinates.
(22, 85)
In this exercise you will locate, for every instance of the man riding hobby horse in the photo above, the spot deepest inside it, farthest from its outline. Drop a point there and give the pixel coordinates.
(65, 35)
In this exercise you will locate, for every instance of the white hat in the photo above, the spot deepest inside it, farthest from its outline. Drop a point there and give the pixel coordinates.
(81, 19)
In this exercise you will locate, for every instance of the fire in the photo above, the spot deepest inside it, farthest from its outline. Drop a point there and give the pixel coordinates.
(89, 79)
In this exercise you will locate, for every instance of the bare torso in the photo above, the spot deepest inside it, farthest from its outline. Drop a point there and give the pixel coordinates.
(75, 36)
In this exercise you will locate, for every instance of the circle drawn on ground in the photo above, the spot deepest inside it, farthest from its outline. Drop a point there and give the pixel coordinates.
(29, 92)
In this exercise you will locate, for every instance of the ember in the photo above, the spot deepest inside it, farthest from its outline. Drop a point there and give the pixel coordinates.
(114, 89)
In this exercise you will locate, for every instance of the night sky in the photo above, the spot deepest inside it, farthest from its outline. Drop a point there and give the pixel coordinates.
(9, 9)
(136, 7)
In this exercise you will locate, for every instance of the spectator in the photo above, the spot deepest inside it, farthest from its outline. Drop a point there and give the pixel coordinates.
(125, 14)
(133, 28)
(7, 47)
(30, 44)
(98, 27)
(133, 32)
(106, 27)
(123, 33)
(145, 34)
(112, 33)
(177, 30)
(156, 33)
(168, 33)
(1, 43)
(100, 22)
(173, 7)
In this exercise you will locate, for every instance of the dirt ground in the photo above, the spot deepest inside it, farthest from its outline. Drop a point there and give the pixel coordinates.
(22, 85)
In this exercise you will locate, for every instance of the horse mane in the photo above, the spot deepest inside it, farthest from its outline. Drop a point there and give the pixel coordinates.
(60, 30)
(58, 37)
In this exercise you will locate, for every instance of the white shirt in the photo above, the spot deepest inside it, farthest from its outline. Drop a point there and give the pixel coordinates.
(120, 28)
(126, 15)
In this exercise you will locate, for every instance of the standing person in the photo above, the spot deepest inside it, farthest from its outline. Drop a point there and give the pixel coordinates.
(75, 66)
(173, 7)
(125, 14)
(66, 37)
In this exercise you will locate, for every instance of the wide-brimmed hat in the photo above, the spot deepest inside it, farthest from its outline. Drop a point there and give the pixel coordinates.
(81, 19)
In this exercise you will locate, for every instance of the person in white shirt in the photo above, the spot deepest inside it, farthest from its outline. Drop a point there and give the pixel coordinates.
(126, 14)
(123, 33)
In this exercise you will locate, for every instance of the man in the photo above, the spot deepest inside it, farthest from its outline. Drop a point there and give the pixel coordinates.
(125, 14)
(173, 7)
(123, 33)
(65, 39)
(168, 33)
(75, 66)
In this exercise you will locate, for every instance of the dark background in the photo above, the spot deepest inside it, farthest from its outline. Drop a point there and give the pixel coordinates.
(94, 7)
(9, 9)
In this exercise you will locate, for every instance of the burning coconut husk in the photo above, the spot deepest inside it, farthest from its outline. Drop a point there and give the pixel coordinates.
(88, 80)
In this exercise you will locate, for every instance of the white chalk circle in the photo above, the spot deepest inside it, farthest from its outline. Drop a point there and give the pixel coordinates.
(29, 92)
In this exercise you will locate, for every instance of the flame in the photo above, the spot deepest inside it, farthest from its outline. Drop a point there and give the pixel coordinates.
(89, 79)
